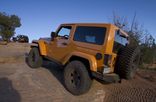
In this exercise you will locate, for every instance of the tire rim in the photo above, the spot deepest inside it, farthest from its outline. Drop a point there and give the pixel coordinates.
(75, 79)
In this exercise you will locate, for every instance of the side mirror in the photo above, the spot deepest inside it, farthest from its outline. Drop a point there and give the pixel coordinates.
(53, 35)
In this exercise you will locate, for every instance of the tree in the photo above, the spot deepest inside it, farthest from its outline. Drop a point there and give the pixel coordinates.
(138, 37)
(135, 30)
(8, 24)
(148, 50)
(120, 22)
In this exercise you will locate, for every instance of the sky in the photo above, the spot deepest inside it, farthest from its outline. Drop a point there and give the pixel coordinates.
(40, 17)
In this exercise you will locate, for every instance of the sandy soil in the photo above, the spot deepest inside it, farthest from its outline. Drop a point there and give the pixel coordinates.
(20, 83)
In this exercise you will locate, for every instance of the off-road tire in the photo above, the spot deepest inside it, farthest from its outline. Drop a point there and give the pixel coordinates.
(127, 62)
(76, 78)
(34, 59)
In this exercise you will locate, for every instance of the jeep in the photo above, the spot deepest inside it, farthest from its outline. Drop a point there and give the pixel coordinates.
(21, 38)
(87, 51)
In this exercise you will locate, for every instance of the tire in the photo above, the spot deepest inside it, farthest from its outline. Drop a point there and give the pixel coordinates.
(34, 59)
(127, 62)
(76, 78)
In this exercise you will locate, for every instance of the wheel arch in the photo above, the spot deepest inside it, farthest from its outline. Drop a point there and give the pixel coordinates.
(40, 44)
(88, 60)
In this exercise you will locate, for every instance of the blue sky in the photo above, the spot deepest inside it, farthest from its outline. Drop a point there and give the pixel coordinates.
(40, 17)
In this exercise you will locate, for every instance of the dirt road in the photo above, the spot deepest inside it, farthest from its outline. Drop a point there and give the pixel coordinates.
(20, 83)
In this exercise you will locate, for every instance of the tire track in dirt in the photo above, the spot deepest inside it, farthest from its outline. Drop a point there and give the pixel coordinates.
(136, 90)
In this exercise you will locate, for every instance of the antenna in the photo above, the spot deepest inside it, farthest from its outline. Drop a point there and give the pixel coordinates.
(133, 21)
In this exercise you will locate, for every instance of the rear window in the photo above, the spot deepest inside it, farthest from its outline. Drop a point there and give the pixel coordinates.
(120, 39)
(94, 35)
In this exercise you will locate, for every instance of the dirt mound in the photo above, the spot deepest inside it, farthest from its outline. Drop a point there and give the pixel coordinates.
(3, 43)
(20, 83)
(13, 52)
(11, 59)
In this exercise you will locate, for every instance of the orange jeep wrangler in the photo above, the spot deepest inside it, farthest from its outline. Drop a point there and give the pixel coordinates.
(87, 51)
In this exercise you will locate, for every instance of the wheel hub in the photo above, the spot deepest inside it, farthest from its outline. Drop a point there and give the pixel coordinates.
(75, 78)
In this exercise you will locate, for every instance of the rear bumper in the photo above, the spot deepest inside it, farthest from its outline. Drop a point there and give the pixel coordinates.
(109, 78)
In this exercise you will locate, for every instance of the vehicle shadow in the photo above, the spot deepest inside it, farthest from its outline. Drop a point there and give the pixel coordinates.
(55, 69)
(7, 91)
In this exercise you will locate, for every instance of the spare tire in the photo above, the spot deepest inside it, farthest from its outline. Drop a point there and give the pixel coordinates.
(127, 62)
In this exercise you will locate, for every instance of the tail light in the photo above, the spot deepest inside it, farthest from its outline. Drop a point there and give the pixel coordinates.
(107, 59)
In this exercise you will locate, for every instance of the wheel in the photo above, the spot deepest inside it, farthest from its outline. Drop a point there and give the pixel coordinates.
(76, 78)
(127, 62)
(34, 59)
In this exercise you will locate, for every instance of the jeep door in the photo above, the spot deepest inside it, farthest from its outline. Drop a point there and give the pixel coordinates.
(61, 46)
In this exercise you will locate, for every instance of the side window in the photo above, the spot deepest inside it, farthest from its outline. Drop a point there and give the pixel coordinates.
(117, 37)
(120, 39)
(95, 35)
(64, 32)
